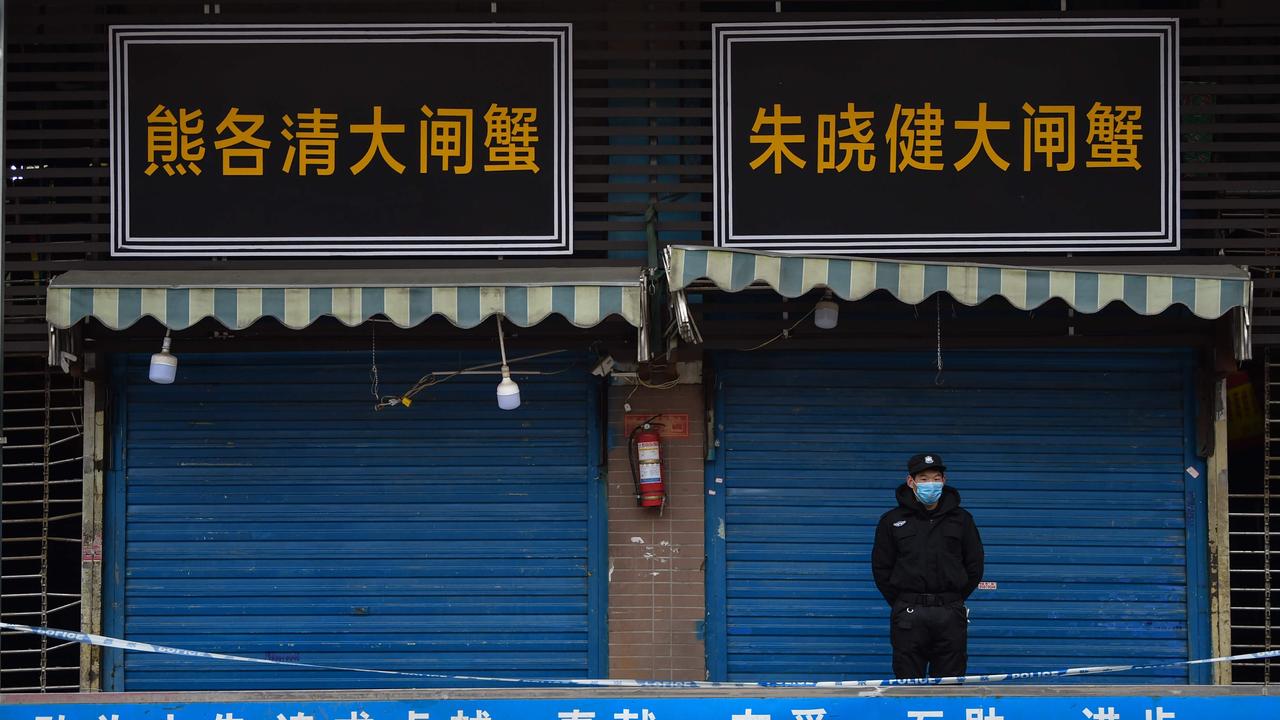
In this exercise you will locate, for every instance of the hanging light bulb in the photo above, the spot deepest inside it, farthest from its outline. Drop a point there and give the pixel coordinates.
(508, 390)
(826, 313)
(164, 366)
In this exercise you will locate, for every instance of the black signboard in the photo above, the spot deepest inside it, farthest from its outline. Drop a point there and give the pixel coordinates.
(340, 140)
(947, 136)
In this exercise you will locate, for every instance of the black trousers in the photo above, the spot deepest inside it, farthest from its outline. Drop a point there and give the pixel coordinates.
(929, 640)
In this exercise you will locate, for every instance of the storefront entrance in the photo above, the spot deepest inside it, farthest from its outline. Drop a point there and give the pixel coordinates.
(1080, 468)
(260, 506)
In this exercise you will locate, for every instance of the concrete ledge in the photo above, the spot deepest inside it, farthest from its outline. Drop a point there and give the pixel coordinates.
(983, 691)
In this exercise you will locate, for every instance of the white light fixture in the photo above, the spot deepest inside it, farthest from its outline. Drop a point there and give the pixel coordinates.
(826, 313)
(508, 390)
(164, 366)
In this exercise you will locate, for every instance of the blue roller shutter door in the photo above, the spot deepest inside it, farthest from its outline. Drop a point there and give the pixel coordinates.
(1074, 464)
(260, 506)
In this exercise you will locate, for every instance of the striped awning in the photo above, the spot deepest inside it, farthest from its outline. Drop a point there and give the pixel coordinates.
(297, 298)
(1208, 291)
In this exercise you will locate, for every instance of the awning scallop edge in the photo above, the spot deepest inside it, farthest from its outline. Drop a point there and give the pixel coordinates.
(237, 299)
(1209, 292)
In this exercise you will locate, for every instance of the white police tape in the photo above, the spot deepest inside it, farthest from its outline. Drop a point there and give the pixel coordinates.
(103, 641)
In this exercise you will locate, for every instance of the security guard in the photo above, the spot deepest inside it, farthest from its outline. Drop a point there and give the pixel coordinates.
(927, 559)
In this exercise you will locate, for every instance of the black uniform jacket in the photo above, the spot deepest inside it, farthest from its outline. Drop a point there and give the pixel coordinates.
(922, 551)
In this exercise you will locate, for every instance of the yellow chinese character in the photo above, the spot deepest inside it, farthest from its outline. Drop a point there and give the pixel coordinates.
(777, 142)
(916, 134)
(174, 143)
(982, 141)
(857, 126)
(1117, 132)
(317, 137)
(1050, 133)
(447, 138)
(377, 143)
(510, 135)
(243, 128)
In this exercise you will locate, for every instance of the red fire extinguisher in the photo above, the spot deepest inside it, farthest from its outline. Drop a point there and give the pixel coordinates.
(646, 465)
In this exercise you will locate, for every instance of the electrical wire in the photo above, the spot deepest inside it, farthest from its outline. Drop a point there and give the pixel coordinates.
(638, 383)
(502, 344)
(432, 379)
(561, 371)
(373, 367)
(937, 379)
(786, 333)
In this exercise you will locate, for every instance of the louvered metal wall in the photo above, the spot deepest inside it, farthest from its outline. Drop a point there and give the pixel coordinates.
(259, 505)
(642, 77)
(1073, 464)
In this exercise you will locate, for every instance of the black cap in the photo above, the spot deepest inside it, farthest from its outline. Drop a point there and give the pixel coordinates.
(925, 461)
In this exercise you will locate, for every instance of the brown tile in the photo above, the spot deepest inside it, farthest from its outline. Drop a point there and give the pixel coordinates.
(620, 638)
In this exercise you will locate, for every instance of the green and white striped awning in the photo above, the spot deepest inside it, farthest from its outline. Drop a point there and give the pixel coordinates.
(1208, 291)
(297, 298)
